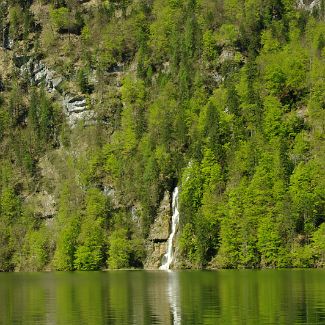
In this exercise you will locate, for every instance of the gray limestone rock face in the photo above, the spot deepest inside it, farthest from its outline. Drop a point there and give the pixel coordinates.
(42, 73)
(157, 240)
(161, 227)
(47, 205)
(157, 251)
(308, 5)
(44, 204)
(136, 219)
(226, 55)
(86, 116)
(56, 82)
(111, 193)
(75, 107)
(38, 72)
(74, 104)
(218, 78)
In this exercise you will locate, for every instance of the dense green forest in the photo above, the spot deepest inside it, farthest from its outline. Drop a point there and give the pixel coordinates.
(107, 104)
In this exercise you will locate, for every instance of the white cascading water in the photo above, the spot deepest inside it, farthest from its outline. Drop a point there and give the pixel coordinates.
(168, 257)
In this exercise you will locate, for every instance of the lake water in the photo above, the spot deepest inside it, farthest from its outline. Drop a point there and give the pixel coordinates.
(161, 297)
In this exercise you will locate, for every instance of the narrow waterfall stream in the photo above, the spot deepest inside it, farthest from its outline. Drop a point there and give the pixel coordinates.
(168, 257)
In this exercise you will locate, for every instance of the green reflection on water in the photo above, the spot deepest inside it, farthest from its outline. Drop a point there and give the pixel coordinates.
(183, 297)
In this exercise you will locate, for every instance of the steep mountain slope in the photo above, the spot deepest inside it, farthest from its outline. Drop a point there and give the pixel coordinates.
(106, 106)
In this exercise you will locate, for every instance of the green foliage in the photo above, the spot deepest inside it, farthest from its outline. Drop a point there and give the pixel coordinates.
(270, 44)
(318, 245)
(210, 53)
(10, 213)
(63, 259)
(161, 28)
(285, 72)
(97, 204)
(88, 258)
(10, 205)
(307, 192)
(83, 83)
(41, 120)
(119, 250)
(228, 34)
(60, 17)
(229, 254)
(273, 118)
(188, 245)
(35, 250)
(89, 254)
(302, 256)
(223, 98)
(269, 242)
(67, 19)
(191, 194)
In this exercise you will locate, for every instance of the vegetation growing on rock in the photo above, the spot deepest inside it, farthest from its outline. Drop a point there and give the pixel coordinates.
(224, 98)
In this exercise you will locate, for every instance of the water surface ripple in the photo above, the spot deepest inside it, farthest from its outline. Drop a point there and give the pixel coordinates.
(163, 297)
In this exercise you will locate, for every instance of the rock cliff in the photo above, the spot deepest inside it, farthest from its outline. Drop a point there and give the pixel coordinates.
(159, 233)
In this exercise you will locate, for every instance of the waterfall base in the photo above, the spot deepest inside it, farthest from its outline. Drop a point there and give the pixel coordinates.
(168, 257)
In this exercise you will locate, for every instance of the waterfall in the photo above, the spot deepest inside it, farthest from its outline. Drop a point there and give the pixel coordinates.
(168, 257)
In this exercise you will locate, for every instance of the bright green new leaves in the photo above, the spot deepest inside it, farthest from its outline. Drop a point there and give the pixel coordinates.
(270, 44)
(10, 212)
(192, 186)
(60, 17)
(318, 245)
(210, 53)
(119, 250)
(162, 28)
(35, 251)
(231, 234)
(228, 34)
(201, 187)
(269, 241)
(133, 96)
(66, 245)
(273, 115)
(89, 254)
(285, 72)
(307, 193)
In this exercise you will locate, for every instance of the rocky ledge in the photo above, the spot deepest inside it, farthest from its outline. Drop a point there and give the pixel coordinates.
(74, 106)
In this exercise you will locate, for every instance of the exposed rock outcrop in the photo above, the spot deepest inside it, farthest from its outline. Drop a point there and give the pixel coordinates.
(161, 227)
(158, 236)
(111, 193)
(44, 204)
(227, 54)
(38, 72)
(308, 4)
(7, 43)
(217, 77)
(155, 253)
(75, 107)
(135, 217)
